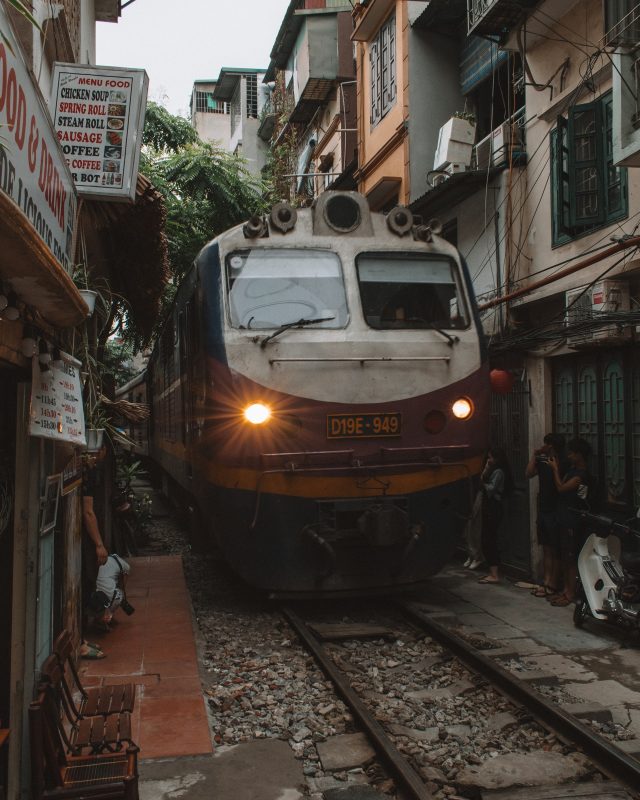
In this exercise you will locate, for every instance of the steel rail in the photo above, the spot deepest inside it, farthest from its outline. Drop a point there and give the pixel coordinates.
(400, 767)
(606, 755)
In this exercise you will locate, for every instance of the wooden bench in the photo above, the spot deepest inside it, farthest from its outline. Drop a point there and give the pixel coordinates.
(95, 700)
(98, 733)
(55, 774)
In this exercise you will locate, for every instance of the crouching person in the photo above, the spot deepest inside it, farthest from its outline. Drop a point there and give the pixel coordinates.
(110, 592)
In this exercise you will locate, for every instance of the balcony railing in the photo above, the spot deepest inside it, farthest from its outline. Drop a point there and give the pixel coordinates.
(504, 145)
(624, 31)
(495, 17)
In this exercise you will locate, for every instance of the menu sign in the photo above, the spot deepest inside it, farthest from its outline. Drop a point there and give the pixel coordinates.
(33, 172)
(56, 402)
(98, 115)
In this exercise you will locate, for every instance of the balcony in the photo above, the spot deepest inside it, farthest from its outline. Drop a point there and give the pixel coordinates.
(268, 120)
(496, 17)
(107, 10)
(503, 146)
(623, 29)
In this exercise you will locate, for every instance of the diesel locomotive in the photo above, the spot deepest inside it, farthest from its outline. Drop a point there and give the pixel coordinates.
(320, 397)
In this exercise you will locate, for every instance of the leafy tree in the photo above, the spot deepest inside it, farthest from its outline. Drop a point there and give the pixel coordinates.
(206, 189)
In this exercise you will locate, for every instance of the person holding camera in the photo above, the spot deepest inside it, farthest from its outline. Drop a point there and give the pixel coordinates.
(110, 592)
(547, 520)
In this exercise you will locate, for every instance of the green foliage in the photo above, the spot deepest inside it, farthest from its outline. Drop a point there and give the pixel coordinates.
(206, 189)
(116, 360)
(165, 133)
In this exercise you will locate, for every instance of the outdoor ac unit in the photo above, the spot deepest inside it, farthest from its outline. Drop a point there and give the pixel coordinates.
(507, 140)
(610, 296)
(578, 308)
(606, 296)
(439, 178)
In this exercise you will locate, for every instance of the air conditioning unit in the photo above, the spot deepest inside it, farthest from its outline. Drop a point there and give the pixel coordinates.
(507, 141)
(578, 308)
(494, 149)
(609, 297)
(605, 296)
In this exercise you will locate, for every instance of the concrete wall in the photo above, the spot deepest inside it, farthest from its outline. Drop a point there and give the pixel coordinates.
(434, 92)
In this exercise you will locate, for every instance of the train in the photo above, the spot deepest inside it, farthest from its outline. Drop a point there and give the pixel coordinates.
(320, 398)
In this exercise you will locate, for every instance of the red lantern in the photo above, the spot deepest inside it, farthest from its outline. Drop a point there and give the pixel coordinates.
(501, 381)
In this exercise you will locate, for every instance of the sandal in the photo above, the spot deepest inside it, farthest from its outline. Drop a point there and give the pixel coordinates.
(489, 579)
(544, 591)
(92, 654)
(561, 601)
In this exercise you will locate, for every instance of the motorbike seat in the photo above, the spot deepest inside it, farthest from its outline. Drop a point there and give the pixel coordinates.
(631, 563)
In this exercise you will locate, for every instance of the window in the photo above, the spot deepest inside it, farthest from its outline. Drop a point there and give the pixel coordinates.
(409, 291)
(207, 104)
(252, 96)
(382, 60)
(588, 191)
(270, 288)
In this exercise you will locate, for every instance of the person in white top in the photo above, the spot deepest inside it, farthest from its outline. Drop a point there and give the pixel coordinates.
(110, 589)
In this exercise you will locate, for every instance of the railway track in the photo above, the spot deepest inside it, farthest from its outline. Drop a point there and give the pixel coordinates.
(614, 763)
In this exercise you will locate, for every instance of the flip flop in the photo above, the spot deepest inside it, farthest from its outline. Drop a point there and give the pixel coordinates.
(93, 654)
(526, 585)
(561, 602)
(544, 591)
(489, 579)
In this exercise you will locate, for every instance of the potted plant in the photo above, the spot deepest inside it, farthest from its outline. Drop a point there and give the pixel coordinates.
(81, 280)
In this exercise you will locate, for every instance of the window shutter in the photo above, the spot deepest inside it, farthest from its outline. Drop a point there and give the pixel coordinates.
(586, 178)
(392, 59)
(560, 183)
(374, 62)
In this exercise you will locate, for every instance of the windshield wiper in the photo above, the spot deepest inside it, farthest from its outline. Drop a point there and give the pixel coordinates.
(301, 323)
(451, 340)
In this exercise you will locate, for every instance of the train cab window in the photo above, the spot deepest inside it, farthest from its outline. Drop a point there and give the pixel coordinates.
(272, 287)
(410, 291)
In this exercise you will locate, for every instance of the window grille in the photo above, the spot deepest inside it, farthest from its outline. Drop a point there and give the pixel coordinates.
(207, 104)
(252, 95)
(382, 62)
(235, 109)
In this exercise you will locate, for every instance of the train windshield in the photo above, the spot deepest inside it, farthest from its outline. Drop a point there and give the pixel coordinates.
(410, 291)
(271, 288)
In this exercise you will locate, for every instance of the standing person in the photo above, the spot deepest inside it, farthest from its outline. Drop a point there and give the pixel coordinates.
(573, 490)
(497, 481)
(547, 520)
(94, 553)
(473, 534)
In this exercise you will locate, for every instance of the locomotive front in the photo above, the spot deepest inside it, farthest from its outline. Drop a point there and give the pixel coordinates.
(347, 397)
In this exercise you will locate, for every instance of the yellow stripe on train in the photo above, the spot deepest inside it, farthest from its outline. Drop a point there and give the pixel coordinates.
(354, 483)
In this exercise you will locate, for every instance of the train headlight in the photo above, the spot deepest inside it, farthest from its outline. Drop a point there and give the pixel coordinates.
(462, 408)
(257, 413)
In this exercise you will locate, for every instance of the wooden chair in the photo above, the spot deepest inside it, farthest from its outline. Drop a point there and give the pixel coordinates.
(96, 700)
(54, 774)
(109, 732)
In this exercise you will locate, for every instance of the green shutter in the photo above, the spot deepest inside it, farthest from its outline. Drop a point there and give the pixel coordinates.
(586, 159)
(560, 180)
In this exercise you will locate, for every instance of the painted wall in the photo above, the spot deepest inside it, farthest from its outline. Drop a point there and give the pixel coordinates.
(372, 140)
(434, 95)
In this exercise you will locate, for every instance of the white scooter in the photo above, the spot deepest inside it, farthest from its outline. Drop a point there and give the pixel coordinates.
(608, 582)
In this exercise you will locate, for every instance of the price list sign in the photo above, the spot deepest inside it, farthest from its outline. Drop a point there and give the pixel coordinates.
(98, 115)
(56, 402)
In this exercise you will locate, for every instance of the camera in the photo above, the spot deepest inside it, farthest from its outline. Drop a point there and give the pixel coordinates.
(126, 606)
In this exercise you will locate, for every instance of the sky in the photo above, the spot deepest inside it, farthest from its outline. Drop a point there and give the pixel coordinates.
(180, 41)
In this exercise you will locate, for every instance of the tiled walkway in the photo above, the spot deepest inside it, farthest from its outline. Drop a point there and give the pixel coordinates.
(155, 648)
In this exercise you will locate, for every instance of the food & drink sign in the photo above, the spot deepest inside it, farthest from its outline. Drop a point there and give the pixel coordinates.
(56, 401)
(33, 172)
(98, 114)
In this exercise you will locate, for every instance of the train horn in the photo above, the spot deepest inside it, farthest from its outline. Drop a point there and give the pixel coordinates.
(400, 220)
(283, 217)
(255, 227)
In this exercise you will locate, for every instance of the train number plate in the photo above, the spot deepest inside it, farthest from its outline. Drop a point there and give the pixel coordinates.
(360, 426)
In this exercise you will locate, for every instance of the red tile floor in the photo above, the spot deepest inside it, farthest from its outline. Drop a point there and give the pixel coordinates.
(155, 648)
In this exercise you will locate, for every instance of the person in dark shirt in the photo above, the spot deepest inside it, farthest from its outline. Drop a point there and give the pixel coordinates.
(547, 520)
(573, 490)
(497, 481)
